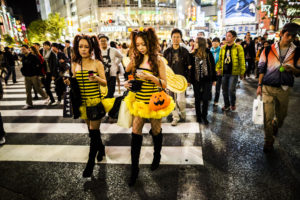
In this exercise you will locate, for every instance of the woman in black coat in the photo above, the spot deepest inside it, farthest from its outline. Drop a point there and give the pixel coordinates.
(203, 74)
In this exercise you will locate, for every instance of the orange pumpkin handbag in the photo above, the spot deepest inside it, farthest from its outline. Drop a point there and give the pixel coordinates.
(159, 100)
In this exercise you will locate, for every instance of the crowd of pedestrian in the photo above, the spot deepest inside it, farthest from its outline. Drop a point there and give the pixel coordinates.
(204, 62)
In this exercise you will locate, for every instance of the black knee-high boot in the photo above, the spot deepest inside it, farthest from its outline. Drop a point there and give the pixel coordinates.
(88, 171)
(157, 141)
(101, 147)
(136, 143)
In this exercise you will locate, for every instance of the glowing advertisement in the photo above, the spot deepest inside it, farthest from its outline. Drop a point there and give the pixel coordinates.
(240, 11)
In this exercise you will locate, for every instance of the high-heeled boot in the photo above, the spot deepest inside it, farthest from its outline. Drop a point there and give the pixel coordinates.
(88, 171)
(136, 143)
(101, 147)
(157, 141)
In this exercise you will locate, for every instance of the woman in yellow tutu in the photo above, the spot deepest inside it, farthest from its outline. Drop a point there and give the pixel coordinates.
(150, 72)
(88, 73)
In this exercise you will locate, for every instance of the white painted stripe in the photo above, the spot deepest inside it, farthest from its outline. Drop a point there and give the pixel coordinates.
(106, 128)
(17, 86)
(32, 113)
(179, 155)
(21, 103)
(21, 90)
(56, 112)
(14, 96)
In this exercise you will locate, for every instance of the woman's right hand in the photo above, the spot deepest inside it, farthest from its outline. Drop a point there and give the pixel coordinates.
(67, 81)
(127, 85)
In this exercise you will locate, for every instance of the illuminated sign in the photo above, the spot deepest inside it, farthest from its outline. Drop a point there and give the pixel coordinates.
(112, 29)
(240, 11)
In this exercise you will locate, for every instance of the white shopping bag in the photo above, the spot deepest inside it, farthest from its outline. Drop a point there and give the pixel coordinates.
(124, 117)
(258, 111)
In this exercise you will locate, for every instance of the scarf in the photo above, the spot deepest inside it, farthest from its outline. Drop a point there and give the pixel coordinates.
(201, 68)
(216, 53)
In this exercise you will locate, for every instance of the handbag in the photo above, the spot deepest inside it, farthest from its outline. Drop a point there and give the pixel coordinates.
(94, 112)
(258, 111)
(159, 100)
(124, 117)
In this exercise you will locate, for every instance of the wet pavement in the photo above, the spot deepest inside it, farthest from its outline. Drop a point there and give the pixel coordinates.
(234, 165)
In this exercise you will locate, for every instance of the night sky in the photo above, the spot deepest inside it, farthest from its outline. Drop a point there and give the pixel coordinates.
(24, 9)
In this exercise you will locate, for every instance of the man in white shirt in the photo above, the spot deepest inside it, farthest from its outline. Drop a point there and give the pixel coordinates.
(111, 60)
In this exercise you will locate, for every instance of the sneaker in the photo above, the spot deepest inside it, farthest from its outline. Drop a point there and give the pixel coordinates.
(2, 140)
(27, 107)
(51, 103)
(174, 122)
(205, 121)
(46, 102)
(233, 108)
(226, 108)
(57, 103)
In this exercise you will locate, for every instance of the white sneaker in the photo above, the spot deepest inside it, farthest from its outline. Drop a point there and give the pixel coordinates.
(27, 107)
(57, 103)
(51, 103)
(174, 122)
(2, 140)
(46, 102)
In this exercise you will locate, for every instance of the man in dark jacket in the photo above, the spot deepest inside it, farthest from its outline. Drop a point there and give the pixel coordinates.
(51, 69)
(61, 63)
(10, 64)
(179, 60)
(30, 66)
(249, 52)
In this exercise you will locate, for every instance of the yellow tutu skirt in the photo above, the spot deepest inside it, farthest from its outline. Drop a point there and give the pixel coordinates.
(143, 110)
(107, 104)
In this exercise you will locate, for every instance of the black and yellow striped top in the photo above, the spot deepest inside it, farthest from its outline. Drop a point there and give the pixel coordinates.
(90, 90)
(148, 88)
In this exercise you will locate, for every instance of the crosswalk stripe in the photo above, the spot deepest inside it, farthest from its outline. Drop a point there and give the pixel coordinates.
(20, 103)
(114, 155)
(54, 112)
(190, 127)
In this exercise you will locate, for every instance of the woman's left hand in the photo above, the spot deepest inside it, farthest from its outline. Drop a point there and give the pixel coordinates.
(144, 76)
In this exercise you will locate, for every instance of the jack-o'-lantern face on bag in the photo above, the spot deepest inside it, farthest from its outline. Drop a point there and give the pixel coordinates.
(159, 100)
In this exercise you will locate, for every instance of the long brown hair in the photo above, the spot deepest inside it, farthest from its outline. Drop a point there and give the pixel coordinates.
(93, 47)
(150, 38)
(200, 52)
(35, 51)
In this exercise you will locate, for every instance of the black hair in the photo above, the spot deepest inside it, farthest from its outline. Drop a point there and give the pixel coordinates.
(124, 46)
(216, 39)
(113, 44)
(56, 45)
(47, 43)
(176, 30)
(25, 46)
(291, 28)
(38, 44)
(238, 40)
(6, 49)
(67, 41)
(233, 33)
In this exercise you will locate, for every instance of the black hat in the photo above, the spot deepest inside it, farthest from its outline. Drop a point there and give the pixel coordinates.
(292, 28)
(102, 36)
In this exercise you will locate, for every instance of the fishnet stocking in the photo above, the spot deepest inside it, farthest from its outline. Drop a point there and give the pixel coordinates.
(137, 125)
(155, 126)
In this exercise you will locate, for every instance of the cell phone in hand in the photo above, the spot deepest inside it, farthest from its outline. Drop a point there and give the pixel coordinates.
(91, 73)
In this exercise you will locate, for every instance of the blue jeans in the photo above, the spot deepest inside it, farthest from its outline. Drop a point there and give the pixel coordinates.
(229, 89)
